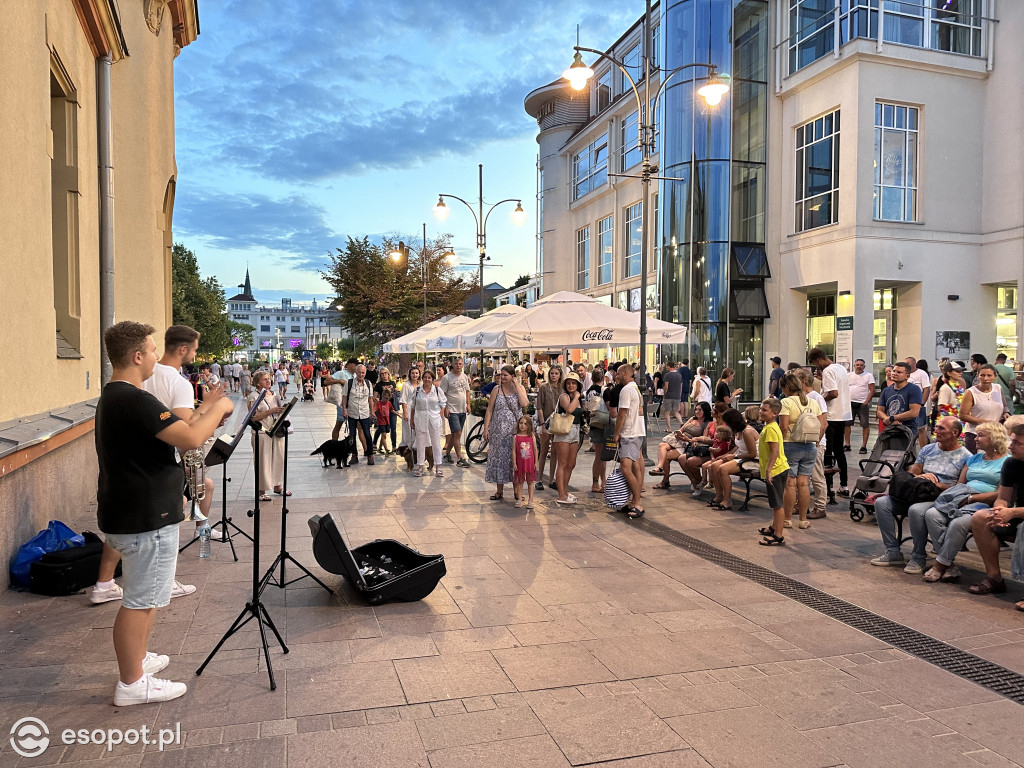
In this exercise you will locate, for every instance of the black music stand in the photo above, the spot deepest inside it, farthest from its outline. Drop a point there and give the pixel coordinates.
(280, 429)
(254, 609)
(219, 454)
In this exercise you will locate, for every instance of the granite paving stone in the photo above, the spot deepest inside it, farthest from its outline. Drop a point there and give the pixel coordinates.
(451, 676)
(527, 752)
(551, 666)
(497, 724)
(390, 745)
(884, 743)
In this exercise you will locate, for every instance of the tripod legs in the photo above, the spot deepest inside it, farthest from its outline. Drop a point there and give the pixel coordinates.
(225, 522)
(251, 611)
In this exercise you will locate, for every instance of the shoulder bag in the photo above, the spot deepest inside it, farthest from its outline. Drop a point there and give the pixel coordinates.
(907, 488)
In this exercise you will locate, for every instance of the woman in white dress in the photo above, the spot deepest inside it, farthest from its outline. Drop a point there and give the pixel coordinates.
(429, 406)
(271, 468)
(409, 388)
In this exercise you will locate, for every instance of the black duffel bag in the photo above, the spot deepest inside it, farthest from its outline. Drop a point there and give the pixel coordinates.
(911, 489)
(68, 571)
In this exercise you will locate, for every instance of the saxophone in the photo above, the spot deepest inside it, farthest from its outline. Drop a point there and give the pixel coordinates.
(195, 475)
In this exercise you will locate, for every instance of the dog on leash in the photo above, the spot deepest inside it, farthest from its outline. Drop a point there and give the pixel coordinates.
(409, 454)
(340, 452)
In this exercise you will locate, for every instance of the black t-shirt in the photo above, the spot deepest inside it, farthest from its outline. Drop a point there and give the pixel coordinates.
(687, 375)
(140, 483)
(611, 396)
(384, 391)
(722, 391)
(1012, 476)
(371, 376)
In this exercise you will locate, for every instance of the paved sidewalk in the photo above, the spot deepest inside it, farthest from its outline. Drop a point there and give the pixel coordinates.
(559, 637)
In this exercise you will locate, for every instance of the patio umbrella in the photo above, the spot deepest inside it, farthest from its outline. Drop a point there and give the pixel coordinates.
(448, 339)
(567, 320)
(417, 340)
(392, 346)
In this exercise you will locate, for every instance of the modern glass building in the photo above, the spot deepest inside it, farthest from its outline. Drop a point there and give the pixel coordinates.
(713, 209)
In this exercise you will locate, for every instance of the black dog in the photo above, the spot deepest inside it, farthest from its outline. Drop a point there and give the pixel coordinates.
(340, 452)
(409, 454)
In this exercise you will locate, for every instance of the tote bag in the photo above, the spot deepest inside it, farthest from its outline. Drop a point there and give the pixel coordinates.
(616, 489)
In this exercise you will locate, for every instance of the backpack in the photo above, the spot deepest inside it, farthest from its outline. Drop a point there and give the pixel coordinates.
(807, 428)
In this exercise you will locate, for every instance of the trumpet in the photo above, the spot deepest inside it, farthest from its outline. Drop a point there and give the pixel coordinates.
(195, 475)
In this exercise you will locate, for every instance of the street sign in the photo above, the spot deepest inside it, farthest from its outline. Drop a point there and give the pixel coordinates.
(844, 323)
(844, 341)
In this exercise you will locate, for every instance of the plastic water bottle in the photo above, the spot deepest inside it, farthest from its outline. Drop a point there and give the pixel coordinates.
(204, 541)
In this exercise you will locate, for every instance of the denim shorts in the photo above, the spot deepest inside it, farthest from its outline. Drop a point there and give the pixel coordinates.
(148, 561)
(572, 437)
(456, 421)
(801, 458)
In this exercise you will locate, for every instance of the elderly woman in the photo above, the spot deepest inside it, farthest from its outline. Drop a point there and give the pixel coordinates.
(567, 445)
(429, 407)
(673, 445)
(547, 401)
(949, 522)
(271, 466)
(505, 405)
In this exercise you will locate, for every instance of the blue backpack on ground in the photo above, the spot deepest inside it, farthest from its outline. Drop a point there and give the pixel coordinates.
(57, 536)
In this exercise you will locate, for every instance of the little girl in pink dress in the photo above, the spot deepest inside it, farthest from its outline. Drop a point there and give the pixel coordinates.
(524, 460)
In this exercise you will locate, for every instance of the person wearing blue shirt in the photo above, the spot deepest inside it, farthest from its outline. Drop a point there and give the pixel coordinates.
(902, 401)
(941, 463)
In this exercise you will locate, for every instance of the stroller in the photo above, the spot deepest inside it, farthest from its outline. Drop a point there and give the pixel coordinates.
(308, 391)
(895, 450)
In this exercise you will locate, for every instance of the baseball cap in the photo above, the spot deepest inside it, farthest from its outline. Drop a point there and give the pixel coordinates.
(777, 360)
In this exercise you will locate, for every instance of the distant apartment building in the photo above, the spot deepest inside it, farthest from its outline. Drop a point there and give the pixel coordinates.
(860, 188)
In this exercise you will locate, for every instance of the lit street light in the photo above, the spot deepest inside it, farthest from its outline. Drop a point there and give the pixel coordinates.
(402, 251)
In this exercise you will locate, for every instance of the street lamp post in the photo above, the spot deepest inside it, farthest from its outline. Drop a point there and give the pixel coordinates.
(402, 251)
(578, 74)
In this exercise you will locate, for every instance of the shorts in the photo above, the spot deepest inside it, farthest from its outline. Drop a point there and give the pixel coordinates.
(801, 458)
(861, 413)
(629, 448)
(670, 404)
(148, 561)
(597, 435)
(341, 415)
(776, 490)
(456, 421)
(572, 437)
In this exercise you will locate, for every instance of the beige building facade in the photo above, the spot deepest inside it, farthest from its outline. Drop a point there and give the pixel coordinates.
(86, 205)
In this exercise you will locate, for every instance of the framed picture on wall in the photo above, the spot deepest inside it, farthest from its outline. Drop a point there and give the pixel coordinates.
(952, 344)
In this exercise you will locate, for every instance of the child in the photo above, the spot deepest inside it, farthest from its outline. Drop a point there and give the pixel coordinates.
(383, 429)
(524, 460)
(774, 469)
(719, 448)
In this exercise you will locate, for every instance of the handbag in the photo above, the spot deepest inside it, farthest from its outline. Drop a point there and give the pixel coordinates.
(616, 489)
(912, 489)
(699, 450)
(610, 448)
(334, 394)
(560, 423)
(599, 419)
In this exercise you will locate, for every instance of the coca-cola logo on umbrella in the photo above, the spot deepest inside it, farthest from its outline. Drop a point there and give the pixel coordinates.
(605, 334)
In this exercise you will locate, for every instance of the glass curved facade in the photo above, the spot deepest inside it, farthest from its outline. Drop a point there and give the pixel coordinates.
(716, 205)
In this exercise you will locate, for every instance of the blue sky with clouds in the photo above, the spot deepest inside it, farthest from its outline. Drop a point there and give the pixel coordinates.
(301, 122)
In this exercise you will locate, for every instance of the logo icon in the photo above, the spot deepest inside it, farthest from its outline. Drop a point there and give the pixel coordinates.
(605, 334)
(30, 737)
(479, 338)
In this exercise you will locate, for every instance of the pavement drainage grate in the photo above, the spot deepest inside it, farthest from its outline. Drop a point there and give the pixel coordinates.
(999, 679)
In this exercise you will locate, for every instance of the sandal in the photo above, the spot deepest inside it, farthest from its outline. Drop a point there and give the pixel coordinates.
(530, 505)
(772, 541)
(663, 485)
(716, 503)
(787, 523)
(804, 524)
(634, 513)
(265, 497)
(766, 531)
(987, 587)
(724, 507)
(657, 471)
(570, 499)
(597, 490)
(518, 504)
(497, 496)
(553, 486)
(1020, 605)
(278, 492)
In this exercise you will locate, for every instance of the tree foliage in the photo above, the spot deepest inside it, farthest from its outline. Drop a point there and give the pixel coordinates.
(381, 298)
(198, 302)
(520, 281)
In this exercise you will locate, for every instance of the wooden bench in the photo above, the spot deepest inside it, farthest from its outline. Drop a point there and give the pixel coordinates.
(749, 472)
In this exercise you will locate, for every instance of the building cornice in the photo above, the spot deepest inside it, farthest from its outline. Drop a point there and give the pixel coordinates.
(102, 27)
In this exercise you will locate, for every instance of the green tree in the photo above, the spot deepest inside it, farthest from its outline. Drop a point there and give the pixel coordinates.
(325, 350)
(522, 280)
(198, 302)
(241, 331)
(381, 298)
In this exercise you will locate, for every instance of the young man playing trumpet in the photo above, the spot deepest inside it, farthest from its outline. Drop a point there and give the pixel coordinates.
(139, 500)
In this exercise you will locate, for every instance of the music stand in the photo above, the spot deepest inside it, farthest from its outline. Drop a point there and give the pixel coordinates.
(254, 609)
(219, 454)
(280, 429)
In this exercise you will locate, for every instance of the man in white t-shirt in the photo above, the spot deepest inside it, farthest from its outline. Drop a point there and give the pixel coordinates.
(456, 388)
(921, 378)
(835, 388)
(172, 389)
(630, 432)
(862, 392)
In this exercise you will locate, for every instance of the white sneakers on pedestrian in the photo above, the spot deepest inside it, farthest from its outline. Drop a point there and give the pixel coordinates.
(147, 690)
(97, 595)
(180, 590)
(153, 663)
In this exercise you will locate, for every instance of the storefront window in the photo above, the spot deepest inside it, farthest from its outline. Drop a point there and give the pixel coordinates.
(1006, 321)
(821, 323)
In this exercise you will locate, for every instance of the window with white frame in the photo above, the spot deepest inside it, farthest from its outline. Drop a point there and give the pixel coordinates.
(590, 167)
(583, 258)
(603, 91)
(632, 226)
(633, 61)
(896, 162)
(817, 172)
(629, 142)
(604, 252)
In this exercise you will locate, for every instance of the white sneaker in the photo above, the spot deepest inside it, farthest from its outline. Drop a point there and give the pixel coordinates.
(153, 663)
(180, 590)
(97, 596)
(147, 690)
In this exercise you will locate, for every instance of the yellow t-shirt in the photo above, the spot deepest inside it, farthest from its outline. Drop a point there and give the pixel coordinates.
(791, 407)
(771, 434)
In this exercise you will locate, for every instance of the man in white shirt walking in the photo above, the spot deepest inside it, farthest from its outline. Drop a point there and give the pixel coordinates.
(358, 405)
(456, 389)
(629, 434)
(835, 388)
(862, 392)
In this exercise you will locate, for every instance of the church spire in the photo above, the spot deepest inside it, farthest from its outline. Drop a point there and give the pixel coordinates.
(248, 285)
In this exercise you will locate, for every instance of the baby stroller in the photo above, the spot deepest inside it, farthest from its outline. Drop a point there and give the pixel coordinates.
(895, 450)
(308, 391)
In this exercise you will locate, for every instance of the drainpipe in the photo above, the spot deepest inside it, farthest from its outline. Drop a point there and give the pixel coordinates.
(106, 173)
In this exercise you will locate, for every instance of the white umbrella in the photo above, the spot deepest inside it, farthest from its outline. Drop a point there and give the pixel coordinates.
(393, 345)
(417, 340)
(448, 339)
(568, 320)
